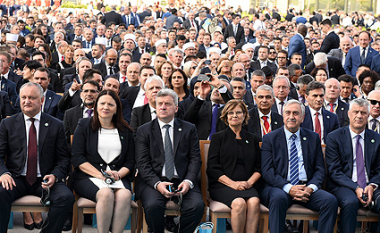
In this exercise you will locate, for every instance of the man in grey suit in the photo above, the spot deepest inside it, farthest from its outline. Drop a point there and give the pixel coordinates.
(172, 19)
(341, 52)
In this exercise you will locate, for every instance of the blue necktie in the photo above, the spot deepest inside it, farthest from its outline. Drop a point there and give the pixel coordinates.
(294, 170)
(88, 45)
(214, 119)
(360, 164)
(169, 155)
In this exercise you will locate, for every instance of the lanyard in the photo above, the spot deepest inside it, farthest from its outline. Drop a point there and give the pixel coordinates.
(263, 126)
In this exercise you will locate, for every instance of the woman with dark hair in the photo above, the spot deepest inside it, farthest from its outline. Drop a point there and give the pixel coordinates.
(178, 83)
(45, 48)
(234, 167)
(367, 80)
(319, 74)
(103, 146)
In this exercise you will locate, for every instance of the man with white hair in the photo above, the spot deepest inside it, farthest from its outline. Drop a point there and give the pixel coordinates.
(176, 56)
(332, 65)
(341, 53)
(333, 102)
(281, 89)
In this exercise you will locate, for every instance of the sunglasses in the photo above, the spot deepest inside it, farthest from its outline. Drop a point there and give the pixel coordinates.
(374, 102)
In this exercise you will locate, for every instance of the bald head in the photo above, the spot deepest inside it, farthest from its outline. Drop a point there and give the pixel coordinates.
(345, 44)
(302, 29)
(332, 90)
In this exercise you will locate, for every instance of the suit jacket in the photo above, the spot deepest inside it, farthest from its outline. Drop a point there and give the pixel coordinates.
(55, 81)
(136, 55)
(18, 64)
(71, 37)
(144, 14)
(67, 101)
(297, 44)
(150, 155)
(10, 88)
(112, 16)
(293, 94)
(4, 9)
(341, 112)
(133, 20)
(254, 123)
(103, 68)
(334, 66)
(275, 161)
(337, 53)
(170, 21)
(256, 65)
(17, 79)
(335, 19)
(67, 71)
(353, 60)
(84, 43)
(130, 93)
(222, 155)
(331, 41)
(248, 98)
(54, 59)
(140, 116)
(85, 149)
(52, 148)
(71, 119)
(6, 108)
(230, 32)
(330, 121)
(127, 110)
(68, 79)
(187, 24)
(375, 64)
(339, 158)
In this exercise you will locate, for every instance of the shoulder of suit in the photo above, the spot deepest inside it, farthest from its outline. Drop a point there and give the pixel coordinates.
(73, 109)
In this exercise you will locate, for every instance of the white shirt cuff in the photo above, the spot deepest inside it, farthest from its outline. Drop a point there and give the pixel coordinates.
(313, 187)
(189, 182)
(287, 188)
(71, 92)
(223, 89)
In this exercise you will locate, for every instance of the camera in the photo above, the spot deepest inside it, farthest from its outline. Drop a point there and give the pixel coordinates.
(208, 62)
(109, 179)
(371, 205)
(45, 197)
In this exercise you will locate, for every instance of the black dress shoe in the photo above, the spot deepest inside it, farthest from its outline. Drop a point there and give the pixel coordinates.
(29, 226)
(67, 225)
(289, 228)
(38, 225)
(170, 224)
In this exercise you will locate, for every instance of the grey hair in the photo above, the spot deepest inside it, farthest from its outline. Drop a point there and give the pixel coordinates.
(304, 80)
(154, 78)
(178, 51)
(377, 85)
(265, 88)
(361, 103)
(281, 77)
(237, 79)
(259, 73)
(29, 84)
(230, 38)
(320, 59)
(168, 92)
(293, 101)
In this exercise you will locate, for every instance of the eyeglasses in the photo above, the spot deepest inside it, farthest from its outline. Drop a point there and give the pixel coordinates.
(374, 102)
(233, 113)
(272, 53)
(281, 57)
(91, 91)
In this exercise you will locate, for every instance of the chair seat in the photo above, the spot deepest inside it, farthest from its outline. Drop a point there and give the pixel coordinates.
(367, 213)
(299, 209)
(219, 207)
(86, 203)
(28, 200)
(170, 205)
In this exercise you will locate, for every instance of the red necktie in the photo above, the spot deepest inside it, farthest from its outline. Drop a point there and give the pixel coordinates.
(192, 23)
(142, 51)
(31, 172)
(331, 107)
(318, 129)
(266, 125)
(63, 58)
(124, 78)
(145, 100)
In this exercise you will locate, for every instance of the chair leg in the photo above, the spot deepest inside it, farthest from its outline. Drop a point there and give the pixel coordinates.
(214, 220)
(145, 225)
(266, 224)
(204, 214)
(305, 226)
(80, 220)
(133, 220)
(75, 218)
(139, 217)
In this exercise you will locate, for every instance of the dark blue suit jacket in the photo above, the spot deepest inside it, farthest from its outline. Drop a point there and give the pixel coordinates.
(9, 87)
(297, 44)
(339, 158)
(133, 20)
(330, 121)
(4, 10)
(375, 64)
(275, 158)
(17, 79)
(84, 43)
(342, 113)
(353, 60)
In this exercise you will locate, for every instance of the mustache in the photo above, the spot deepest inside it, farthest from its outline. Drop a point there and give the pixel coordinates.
(291, 120)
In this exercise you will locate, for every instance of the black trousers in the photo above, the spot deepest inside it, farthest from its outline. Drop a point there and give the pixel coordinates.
(154, 204)
(61, 199)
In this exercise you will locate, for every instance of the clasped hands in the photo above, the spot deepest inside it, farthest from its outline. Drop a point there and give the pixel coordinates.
(240, 185)
(183, 188)
(300, 193)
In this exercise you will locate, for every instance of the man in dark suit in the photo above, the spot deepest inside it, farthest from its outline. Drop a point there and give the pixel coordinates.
(261, 119)
(317, 118)
(172, 19)
(167, 153)
(331, 64)
(108, 67)
(7, 73)
(352, 171)
(10, 88)
(374, 111)
(128, 17)
(333, 103)
(205, 114)
(281, 88)
(347, 84)
(142, 47)
(262, 60)
(7, 9)
(294, 173)
(78, 30)
(235, 30)
(112, 16)
(89, 38)
(331, 40)
(190, 22)
(147, 112)
(31, 157)
(89, 93)
(361, 54)
(335, 18)
(297, 44)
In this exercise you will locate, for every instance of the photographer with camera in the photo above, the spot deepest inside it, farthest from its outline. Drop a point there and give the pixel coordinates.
(103, 158)
(353, 162)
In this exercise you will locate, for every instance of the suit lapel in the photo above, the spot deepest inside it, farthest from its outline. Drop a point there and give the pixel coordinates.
(48, 101)
(348, 150)
(280, 144)
(44, 128)
(177, 134)
(274, 122)
(158, 137)
(304, 147)
(326, 122)
(368, 151)
(20, 129)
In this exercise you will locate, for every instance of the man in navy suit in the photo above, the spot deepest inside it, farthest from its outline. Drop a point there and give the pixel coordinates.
(297, 44)
(7, 73)
(333, 103)
(362, 54)
(294, 173)
(128, 17)
(89, 39)
(235, 29)
(35, 148)
(353, 163)
(317, 118)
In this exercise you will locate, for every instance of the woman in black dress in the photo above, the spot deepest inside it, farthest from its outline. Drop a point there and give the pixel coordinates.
(233, 168)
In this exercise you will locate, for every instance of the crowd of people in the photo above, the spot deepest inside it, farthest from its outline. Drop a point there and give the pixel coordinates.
(90, 102)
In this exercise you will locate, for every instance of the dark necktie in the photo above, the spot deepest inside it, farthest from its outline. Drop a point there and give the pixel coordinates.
(111, 69)
(374, 124)
(142, 51)
(318, 129)
(362, 57)
(346, 100)
(192, 23)
(169, 155)
(266, 125)
(89, 112)
(281, 107)
(214, 119)
(360, 164)
(31, 172)
(88, 45)
(294, 170)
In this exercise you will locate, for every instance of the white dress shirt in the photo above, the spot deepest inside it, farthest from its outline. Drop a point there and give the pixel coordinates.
(139, 99)
(320, 117)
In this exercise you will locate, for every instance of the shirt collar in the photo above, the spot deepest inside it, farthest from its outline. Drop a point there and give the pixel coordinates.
(312, 111)
(288, 134)
(36, 117)
(161, 123)
(371, 118)
(152, 109)
(353, 134)
(336, 102)
(262, 114)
